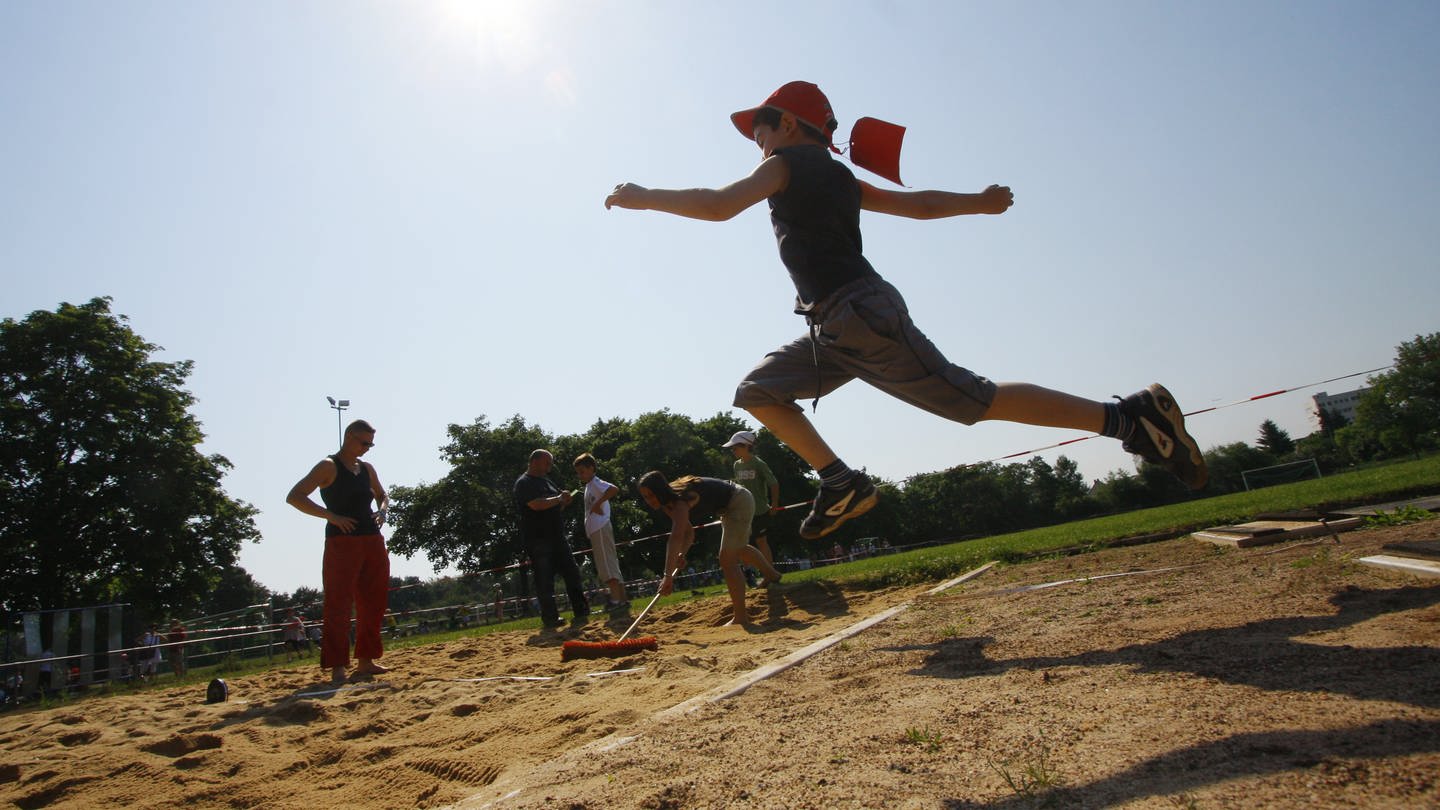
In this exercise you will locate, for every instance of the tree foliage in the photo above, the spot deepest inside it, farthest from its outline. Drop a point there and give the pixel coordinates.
(234, 590)
(1227, 463)
(106, 495)
(1399, 414)
(1275, 440)
(469, 519)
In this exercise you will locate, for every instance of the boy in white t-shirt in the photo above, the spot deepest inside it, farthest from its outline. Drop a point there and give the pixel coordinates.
(602, 535)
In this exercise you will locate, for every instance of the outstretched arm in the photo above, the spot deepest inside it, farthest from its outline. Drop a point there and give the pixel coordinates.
(713, 204)
(935, 204)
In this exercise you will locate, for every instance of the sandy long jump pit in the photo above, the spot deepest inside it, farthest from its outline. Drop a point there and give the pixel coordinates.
(1176, 674)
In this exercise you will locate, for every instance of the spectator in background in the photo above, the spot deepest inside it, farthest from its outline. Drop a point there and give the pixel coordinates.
(754, 474)
(150, 656)
(47, 669)
(293, 633)
(176, 637)
(597, 495)
(542, 529)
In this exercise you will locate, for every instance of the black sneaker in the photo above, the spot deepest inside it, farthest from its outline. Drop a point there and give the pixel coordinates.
(552, 624)
(833, 507)
(1159, 435)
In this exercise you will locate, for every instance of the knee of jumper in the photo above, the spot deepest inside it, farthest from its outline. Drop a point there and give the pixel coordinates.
(751, 394)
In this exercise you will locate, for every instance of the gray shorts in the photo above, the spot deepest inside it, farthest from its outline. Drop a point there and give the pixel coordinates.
(863, 331)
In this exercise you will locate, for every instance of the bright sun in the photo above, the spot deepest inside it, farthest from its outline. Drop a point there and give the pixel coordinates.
(501, 32)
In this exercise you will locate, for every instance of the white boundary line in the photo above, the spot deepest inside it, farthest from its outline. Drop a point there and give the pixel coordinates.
(601, 674)
(763, 672)
(1058, 583)
(608, 672)
(502, 678)
(1428, 568)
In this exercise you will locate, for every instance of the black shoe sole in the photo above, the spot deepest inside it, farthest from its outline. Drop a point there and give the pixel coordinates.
(861, 507)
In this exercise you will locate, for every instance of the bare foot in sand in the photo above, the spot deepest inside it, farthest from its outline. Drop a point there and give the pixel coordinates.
(369, 667)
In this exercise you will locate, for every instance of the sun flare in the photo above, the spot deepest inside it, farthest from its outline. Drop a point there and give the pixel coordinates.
(503, 33)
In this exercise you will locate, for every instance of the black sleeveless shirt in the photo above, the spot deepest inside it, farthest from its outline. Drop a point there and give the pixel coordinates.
(713, 493)
(817, 225)
(350, 495)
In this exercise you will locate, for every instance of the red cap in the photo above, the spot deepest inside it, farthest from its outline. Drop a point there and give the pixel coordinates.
(802, 100)
(874, 144)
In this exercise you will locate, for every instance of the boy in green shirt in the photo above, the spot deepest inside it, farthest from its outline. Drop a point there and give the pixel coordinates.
(754, 474)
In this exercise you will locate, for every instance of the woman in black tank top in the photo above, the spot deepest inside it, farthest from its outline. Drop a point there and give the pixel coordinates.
(694, 498)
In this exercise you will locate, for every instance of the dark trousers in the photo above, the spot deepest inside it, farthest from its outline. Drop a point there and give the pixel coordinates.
(548, 558)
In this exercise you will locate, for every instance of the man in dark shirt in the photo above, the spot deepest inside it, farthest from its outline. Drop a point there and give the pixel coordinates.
(542, 530)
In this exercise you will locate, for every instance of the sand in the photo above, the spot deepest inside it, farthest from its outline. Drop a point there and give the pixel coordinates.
(1268, 677)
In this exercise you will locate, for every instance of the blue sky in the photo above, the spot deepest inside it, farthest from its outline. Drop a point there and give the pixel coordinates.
(400, 204)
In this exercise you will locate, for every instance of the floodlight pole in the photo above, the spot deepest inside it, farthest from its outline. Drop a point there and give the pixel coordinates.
(339, 406)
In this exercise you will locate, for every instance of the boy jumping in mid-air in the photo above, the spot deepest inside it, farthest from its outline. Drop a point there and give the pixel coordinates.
(859, 325)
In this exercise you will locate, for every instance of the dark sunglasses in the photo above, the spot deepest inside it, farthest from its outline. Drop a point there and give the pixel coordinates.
(367, 444)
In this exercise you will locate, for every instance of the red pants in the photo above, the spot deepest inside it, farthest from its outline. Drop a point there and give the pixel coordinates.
(356, 571)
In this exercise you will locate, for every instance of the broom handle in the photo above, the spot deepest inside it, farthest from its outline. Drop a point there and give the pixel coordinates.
(653, 600)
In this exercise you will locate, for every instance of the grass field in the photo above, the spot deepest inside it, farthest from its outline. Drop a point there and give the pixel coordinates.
(1368, 486)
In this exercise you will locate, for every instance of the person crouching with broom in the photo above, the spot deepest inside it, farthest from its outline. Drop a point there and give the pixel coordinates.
(692, 497)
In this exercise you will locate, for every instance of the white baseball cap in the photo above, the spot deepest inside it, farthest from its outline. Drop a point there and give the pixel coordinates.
(745, 437)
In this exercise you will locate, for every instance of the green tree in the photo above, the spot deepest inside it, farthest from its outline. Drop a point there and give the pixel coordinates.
(106, 497)
(1330, 420)
(1056, 493)
(967, 501)
(1275, 440)
(1227, 462)
(307, 601)
(234, 590)
(1072, 493)
(1120, 491)
(1400, 413)
(1150, 485)
(468, 519)
(1326, 451)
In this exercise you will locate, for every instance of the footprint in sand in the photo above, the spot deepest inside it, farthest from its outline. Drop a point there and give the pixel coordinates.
(89, 735)
(178, 745)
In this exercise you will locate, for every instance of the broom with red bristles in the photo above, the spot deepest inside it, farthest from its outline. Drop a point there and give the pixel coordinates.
(621, 646)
